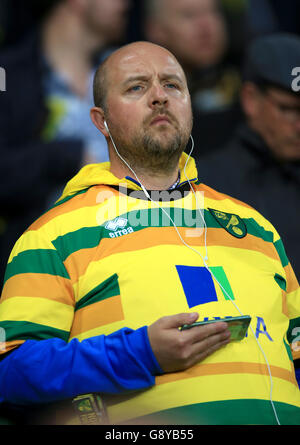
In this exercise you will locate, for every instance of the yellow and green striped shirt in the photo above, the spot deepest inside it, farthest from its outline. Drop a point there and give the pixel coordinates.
(102, 259)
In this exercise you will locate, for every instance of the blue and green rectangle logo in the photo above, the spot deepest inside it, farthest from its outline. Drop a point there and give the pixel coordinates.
(199, 285)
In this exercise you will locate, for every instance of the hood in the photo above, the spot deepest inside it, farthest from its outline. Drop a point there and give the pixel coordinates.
(100, 174)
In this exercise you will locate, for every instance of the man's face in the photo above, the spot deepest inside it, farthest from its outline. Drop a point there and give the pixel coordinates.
(276, 116)
(148, 107)
(107, 17)
(193, 30)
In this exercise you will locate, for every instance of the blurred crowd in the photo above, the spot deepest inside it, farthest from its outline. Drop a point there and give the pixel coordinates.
(246, 133)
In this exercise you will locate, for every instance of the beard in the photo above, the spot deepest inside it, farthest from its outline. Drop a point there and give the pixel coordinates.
(153, 153)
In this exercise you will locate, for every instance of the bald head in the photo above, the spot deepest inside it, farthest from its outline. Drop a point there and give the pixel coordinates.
(125, 53)
(143, 107)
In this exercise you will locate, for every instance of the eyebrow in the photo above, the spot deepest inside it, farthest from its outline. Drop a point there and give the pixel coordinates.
(145, 78)
(171, 76)
(135, 78)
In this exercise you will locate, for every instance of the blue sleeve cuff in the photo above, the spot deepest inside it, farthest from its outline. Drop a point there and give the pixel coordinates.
(142, 348)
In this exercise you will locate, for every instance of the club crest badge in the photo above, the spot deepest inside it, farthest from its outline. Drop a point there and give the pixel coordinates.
(232, 223)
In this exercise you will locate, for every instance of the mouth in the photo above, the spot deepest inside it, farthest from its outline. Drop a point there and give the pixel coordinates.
(160, 120)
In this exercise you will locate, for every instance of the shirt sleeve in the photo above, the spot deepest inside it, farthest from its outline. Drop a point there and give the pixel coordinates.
(37, 301)
(52, 370)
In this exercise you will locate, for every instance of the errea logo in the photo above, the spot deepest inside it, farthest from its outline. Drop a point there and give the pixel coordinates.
(118, 227)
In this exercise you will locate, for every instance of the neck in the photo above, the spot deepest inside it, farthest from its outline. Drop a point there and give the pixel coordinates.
(69, 48)
(150, 180)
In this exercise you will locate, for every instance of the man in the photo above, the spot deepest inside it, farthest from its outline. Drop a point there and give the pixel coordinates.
(45, 132)
(91, 288)
(196, 32)
(261, 164)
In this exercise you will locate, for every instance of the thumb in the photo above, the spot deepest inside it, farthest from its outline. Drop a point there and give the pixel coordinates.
(177, 320)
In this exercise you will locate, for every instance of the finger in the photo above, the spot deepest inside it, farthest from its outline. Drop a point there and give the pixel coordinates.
(199, 333)
(210, 343)
(177, 320)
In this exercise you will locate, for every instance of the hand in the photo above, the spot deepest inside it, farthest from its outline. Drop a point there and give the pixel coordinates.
(177, 350)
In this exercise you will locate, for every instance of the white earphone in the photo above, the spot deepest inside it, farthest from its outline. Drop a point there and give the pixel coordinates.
(105, 125)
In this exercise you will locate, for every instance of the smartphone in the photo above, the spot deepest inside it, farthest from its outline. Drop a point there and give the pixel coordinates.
(237, 326)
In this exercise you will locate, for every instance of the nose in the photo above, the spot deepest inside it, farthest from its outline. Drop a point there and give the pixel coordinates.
(158, 96)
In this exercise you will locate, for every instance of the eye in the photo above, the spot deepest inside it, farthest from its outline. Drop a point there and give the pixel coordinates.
(171, 85)
(135, 88)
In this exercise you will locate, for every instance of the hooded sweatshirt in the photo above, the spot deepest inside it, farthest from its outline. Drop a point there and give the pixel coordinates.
(86, 279)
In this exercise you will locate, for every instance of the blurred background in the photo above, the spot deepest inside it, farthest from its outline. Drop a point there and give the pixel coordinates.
(50, 50)
(246, 18)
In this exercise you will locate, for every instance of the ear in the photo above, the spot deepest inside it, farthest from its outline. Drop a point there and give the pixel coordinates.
(250, 99)
(98, 118)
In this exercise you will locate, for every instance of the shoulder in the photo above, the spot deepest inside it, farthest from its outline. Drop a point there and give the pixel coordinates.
(66, 210)
(72, 215)
(74, 211)
(223, 199)
(226, 203)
